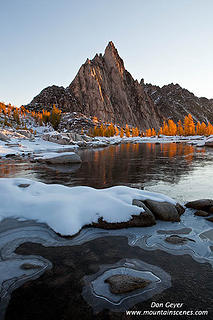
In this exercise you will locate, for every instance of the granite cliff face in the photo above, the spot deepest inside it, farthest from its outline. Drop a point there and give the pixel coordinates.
(174, 102)
(105, 89)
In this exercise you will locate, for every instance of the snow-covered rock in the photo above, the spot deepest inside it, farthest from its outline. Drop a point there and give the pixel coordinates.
(209, 141)
(59, 158)
(67, 210)
(3, 137)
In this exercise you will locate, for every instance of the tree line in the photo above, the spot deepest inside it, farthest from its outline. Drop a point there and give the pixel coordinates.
(169, 128)
(18, 115)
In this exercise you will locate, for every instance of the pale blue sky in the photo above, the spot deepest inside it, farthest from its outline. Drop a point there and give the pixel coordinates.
(44, 42)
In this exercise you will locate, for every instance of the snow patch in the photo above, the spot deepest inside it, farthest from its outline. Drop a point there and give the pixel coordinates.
(66, 210)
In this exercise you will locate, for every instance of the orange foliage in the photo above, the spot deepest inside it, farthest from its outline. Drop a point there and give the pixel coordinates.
(189, 128)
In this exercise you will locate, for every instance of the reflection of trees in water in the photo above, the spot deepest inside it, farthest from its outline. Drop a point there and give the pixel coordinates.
(9, 168)
(134, 163)
(121, 164)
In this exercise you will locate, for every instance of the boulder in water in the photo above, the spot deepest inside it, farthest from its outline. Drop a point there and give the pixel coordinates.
(202, 204)
(164, 210)
(121, 283)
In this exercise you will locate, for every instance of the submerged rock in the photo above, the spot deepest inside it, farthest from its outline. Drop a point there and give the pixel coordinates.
(29, 266)
(23, 185)
(175, 239)
(210, 219)
(201, 213)
(202, 204)
(178, 231)
(207, 234)
(165, 210)
(121, 283)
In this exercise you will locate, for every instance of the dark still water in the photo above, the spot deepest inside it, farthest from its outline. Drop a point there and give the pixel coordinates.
(176, 169)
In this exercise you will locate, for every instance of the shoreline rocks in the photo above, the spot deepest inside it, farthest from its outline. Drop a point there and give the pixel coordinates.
(202, 204)
(142, 220)
(153, 210)
(165, 211)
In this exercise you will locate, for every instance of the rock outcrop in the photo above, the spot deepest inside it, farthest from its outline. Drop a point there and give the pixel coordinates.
(59, 96)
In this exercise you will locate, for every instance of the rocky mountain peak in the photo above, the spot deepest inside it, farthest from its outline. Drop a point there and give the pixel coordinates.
(111, 49)
(113, 59)
(105, 89)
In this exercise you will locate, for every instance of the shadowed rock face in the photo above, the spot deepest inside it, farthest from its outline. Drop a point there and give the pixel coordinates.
(174, 102)
(104, 88)
(53, 95)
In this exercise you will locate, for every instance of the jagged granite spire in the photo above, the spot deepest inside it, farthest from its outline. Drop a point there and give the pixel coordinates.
(104, 88)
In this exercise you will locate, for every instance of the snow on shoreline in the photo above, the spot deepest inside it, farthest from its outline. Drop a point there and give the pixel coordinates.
(66, 210)
(196, 140)
(19, 144)
(25, 146)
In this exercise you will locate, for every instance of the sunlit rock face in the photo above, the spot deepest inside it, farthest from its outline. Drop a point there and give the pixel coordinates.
(105, 89)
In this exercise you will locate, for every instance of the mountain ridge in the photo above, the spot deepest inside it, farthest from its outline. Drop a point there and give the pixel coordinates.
(105, 89)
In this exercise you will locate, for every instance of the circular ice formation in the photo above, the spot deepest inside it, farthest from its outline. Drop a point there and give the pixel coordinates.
(97, 292)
